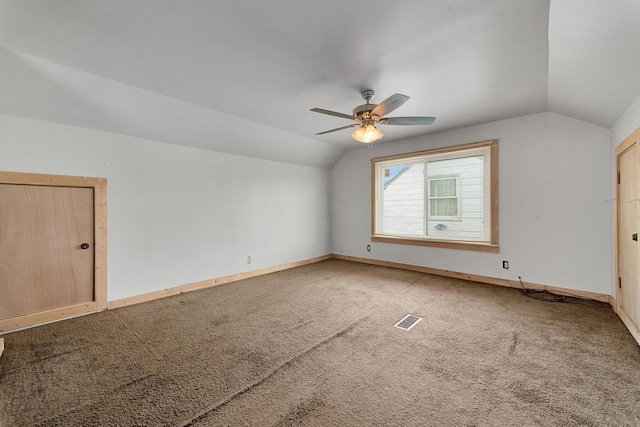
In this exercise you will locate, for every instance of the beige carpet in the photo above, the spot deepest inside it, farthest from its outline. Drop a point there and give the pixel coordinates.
(316, 346)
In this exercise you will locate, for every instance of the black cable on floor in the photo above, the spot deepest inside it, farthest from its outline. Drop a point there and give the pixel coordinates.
(558, 296)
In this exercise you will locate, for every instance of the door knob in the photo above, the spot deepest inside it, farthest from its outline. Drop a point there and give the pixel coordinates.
(84, 246)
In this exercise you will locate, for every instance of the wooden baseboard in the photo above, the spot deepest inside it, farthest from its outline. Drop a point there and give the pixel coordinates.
(20, 322)
(53, 315)
(163, 293)
(629, 324)
(633, 329)
(476, 278)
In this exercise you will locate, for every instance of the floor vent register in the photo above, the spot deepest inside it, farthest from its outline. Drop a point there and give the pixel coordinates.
(408, 322)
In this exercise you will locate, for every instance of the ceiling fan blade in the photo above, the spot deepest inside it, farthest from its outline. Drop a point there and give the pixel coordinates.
(407, 121)
(343, 127)
(389, 104)
(332, 113)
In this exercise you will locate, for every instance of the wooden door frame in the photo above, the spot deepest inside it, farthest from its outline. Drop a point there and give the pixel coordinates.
(99, 186)
(632, 139)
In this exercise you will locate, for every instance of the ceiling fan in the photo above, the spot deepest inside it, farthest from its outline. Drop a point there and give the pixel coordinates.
(368, 116)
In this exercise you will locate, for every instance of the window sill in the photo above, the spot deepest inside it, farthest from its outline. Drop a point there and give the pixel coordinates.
(448, 244)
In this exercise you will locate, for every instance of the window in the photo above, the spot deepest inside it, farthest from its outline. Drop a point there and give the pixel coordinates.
(446, 197)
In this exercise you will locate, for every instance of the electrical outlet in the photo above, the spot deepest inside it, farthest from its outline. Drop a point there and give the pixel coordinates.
(248, 260)
(368, 248)
(505, 265)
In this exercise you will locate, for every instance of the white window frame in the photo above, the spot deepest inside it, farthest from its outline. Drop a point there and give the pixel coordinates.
(489, 151)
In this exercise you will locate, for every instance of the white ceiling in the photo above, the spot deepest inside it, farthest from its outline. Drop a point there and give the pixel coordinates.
(240, 77)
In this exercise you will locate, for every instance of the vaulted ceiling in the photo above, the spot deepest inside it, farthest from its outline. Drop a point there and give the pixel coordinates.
(240, 76)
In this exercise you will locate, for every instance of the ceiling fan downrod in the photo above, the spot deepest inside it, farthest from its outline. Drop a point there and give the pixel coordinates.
(367, 95)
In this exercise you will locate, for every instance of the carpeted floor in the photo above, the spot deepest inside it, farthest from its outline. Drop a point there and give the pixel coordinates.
(316, 346)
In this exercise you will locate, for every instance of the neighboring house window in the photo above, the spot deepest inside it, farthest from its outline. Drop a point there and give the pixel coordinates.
(446, 197)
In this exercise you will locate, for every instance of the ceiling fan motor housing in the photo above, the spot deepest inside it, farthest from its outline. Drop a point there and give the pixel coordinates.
(363, 112)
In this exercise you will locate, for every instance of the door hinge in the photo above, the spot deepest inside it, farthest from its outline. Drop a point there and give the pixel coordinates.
(620, 282)
(618, 177)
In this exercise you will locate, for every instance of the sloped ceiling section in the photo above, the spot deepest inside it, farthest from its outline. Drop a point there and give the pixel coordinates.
(240, 77)
(594, 58)
(38, 88)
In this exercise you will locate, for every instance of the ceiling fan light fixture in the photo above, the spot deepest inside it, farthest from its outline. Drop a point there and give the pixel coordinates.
(367, 133)
(368, 115)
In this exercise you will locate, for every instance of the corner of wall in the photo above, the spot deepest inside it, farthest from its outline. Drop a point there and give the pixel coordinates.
(628, 122)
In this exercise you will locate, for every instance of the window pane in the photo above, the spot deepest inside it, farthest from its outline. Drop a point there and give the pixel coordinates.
(444, 207)
(403, 200)
(467, 216)
(442, 188)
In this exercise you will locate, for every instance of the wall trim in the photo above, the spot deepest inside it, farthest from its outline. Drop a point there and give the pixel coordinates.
(475, 277)
(41, 318)
(150, 296)
(37, 319)
(629, 324)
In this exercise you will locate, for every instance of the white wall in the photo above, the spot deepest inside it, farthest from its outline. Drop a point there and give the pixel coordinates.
(178, 215)
(555, 204)
(626, 124)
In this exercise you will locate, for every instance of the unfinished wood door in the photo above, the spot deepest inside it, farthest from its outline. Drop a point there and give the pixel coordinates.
(46, 248)
(628, 227)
